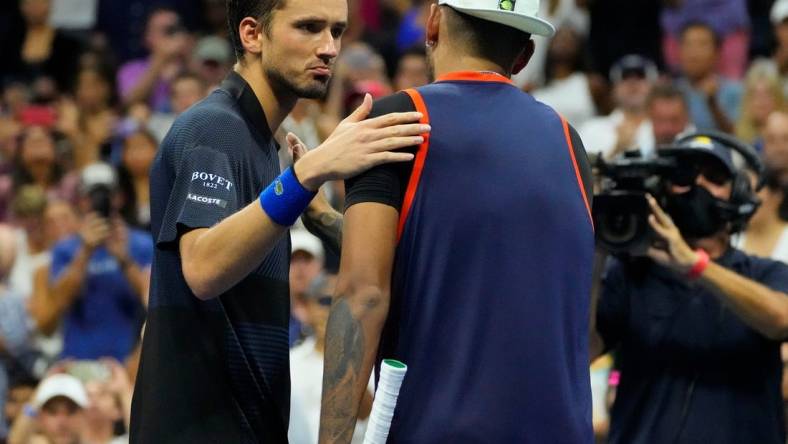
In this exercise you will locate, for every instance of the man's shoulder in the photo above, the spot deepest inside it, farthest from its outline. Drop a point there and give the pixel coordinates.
(755, 265)
(395, 103)
(216, 110)
(207, 122)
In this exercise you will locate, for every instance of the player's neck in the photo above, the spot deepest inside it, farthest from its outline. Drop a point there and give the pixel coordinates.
(464, 62)
(276, 104)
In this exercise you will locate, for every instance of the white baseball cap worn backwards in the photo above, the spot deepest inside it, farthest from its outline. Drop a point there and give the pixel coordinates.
(518, 14)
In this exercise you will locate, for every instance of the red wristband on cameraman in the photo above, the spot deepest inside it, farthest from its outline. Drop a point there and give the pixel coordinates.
(700, 266)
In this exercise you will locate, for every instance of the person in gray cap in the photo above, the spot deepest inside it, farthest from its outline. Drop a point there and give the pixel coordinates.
(626, 128)
(697, 324)
(212, 60)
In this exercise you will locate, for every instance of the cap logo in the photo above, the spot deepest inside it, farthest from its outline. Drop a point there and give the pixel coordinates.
(506, 5)
(702, 142)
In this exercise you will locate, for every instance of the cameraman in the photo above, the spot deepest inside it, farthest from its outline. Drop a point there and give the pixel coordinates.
(696, 326)
(100, 277)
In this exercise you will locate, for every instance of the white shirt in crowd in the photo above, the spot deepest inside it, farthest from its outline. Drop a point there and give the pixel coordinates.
(780, 252)
(571, 97)
(306, 382)
(25, 265)
(566, 13)
(600, 134)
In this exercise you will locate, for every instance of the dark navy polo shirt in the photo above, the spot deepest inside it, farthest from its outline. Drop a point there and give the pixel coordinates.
(491, 281)
(214, 371)
(691, 370)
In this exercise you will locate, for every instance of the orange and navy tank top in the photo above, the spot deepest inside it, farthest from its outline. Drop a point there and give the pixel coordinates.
(492, 275)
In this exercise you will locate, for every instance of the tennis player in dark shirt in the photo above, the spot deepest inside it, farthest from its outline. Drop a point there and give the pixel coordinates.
(214, 364)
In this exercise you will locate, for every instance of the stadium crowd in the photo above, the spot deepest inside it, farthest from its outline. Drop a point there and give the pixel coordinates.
(89, 88)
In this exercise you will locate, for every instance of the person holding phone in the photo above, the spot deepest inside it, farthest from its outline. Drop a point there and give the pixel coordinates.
(100, 276)
(149, 80)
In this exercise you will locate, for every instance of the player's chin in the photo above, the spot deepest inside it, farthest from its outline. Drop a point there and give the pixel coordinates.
(315, 89)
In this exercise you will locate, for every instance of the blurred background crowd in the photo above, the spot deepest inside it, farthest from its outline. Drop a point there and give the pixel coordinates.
(88, 88)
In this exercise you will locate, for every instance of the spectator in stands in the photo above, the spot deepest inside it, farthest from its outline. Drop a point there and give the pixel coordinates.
(626, 128)
(101, 276)
(559, 13)
(412, 69)
(762, 96)
(212, 61)
(775, 144)
(139, 150)
(40, 50)
(714, 101)
(20, 393)
(14, 100)
(779, 19)
(32, 251)
(306, 263)
(109, 397)
(187, 89)
(14, 331)
(569, 88)
(60, 222)
(727, 19)
(306, 368)
(36, 163)
(358, 66)
(149, 80)
(668, 113)
(88, 122)
(57, 414)
(767, 231)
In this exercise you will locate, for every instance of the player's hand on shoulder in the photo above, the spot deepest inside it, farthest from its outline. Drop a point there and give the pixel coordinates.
(357, 145)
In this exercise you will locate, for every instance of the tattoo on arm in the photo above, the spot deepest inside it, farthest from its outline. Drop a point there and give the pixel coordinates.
(344, 354)
(328, 227)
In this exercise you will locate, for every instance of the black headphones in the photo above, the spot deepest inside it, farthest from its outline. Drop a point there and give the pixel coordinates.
(744, 201)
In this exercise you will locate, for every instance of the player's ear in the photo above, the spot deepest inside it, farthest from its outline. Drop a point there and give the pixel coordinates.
(251, 33)
(433, 24)
(524, 57)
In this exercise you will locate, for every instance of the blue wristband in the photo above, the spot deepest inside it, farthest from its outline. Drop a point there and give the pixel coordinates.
(285, 199)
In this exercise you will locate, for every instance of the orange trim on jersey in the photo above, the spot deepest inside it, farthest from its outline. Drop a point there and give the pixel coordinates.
(418, 164)
(577, 168)
(474, 76)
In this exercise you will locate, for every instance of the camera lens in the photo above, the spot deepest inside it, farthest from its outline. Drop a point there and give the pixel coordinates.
(621, 220)
(618, 227)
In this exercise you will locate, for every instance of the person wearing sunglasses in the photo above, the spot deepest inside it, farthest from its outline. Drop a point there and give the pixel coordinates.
(697, 324)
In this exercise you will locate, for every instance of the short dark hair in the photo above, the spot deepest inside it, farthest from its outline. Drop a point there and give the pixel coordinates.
(237, 10)
(483, 38)
(667, 91)
(701, 25)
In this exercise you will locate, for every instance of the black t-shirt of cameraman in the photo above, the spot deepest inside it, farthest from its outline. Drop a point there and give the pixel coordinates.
(696, 327)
